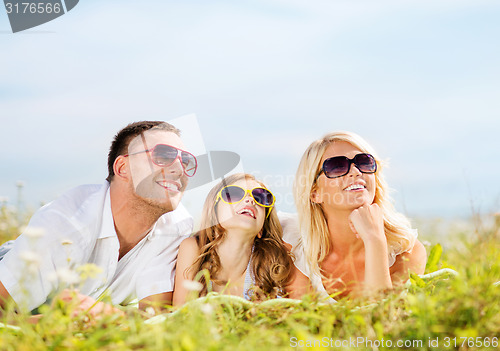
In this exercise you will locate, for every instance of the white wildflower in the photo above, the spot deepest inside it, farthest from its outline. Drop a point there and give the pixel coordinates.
(192, 285)
(207, 308)
(150, 311)
(34, 232)
(65, 275)
(32, 260)
(30, 257)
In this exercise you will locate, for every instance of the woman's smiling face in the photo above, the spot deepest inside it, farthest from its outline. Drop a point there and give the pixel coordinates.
(347, 192)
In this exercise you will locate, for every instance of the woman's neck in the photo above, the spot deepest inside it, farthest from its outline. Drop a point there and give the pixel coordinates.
(342, 237)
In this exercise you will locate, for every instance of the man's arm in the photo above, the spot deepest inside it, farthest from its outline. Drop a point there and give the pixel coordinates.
(4, 296)
(83, 304)
(4, 300)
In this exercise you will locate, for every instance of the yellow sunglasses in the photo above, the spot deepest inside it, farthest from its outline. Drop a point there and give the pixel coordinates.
(233, 194)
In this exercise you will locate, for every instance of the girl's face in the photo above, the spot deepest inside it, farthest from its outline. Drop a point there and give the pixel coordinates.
(245, 215)
(347, 192)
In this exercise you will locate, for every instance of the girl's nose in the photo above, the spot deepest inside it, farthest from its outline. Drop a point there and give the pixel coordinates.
(249, 199)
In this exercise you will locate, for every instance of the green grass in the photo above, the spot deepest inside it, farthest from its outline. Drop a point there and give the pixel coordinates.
(437, 314)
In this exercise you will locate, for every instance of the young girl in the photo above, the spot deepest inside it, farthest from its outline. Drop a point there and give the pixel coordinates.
(240, 245)
(351, 239)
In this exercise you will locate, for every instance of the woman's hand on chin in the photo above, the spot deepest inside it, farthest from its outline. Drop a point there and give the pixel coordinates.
(367, 222)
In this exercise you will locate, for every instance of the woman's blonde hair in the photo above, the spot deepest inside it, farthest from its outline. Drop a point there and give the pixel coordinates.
(271, 263)
(312, 221)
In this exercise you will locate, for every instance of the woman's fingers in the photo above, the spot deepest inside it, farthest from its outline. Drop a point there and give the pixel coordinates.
(353, 228)
(367, 221)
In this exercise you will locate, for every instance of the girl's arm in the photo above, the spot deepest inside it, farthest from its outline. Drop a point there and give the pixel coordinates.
(188, 253)
(158, 302)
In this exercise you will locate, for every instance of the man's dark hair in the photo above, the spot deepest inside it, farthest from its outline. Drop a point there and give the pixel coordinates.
(122, 139)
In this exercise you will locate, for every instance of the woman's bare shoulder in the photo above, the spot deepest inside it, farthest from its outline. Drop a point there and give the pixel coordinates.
(413, 260)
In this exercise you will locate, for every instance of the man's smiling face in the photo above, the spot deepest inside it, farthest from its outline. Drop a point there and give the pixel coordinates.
(159, 186)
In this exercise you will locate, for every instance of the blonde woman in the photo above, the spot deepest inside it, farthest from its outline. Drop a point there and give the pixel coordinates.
(240, 247)
(351, 238)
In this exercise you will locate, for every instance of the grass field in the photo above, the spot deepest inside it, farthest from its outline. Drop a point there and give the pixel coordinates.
(445, 313)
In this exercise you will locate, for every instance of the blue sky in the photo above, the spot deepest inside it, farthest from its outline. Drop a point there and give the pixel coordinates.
(418, 79)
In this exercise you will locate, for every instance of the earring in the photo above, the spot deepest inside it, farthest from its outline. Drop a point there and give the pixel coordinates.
(259, 235)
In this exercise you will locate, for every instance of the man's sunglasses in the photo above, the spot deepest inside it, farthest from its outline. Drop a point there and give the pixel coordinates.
(165, 155)
(339, 166)
(233, 194)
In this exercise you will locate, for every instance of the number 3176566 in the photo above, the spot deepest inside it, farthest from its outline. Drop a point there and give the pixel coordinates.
(33, 7)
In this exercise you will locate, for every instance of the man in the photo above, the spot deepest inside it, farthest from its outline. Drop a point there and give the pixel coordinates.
(123, 234)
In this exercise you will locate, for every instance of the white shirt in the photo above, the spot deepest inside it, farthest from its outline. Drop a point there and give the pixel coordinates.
(77, 229)
(291, 235)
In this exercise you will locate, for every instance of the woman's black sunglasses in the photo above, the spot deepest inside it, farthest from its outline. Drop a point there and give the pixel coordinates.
(339, 166)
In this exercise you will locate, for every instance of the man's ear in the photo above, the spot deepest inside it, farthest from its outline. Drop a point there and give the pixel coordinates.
(120, 167)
